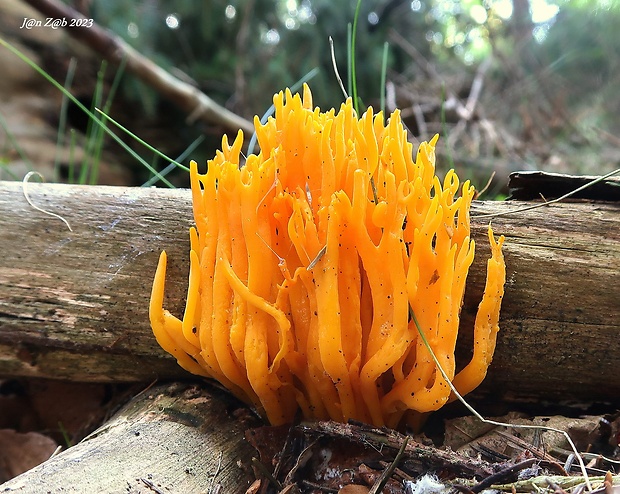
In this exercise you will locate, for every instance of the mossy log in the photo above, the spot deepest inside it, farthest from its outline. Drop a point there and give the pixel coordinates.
(74, 304)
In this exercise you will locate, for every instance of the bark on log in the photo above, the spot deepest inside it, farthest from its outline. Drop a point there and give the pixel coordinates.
(73, 305)
(174, 438)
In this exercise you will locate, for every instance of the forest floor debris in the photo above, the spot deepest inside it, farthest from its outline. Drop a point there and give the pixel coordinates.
(317, 457)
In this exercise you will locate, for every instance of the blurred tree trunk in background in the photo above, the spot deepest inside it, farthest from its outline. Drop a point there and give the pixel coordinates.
(521, 25)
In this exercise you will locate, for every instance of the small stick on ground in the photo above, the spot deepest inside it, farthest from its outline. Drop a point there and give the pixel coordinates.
(387, 473)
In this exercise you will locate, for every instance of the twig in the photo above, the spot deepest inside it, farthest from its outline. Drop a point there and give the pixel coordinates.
(542, 481)
(318, 257)
(556, 488)
(502, 474)
(517, 441)
(428, 67)
(476, 88)
(397, 471)
(486, 187)
(151, 485)
(302, 460)
(114, 48)
(313, 485)
(424, 457)
(387, 473)
(263, 469)
(335, 65)
(413, 52)
(217, 472)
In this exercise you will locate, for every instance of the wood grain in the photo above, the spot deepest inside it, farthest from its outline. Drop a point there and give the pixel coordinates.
(73, 305)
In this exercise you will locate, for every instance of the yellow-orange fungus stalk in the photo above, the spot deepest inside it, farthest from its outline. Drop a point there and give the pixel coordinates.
(308, 260)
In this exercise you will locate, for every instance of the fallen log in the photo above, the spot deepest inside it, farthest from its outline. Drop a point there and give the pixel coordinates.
(177, 437)
(73, 304)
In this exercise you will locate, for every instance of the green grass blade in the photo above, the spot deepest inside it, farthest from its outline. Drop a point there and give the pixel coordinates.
(11, 138)
(99, 122)
(4, 164)
(62, 122)
(384, 61)
(99, 134)
(71, 164)
(353, 71)
(94, 135)
(115, 84)
(349, 71)
(190, 149)
(144, 143)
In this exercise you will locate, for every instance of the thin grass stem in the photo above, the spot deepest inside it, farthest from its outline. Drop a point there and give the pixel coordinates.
(11, 138)
(353, 69)
(92, 151)
(62, 122)
(98, 134)
(384, 61)
(115, 85)
(349, 67)
(71, 160)
(335, 66)
(141, 141)
(58, 86)
(154, 179)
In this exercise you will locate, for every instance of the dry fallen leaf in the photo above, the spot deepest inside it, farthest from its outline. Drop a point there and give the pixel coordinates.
(21, 452)
(468, 434)
(354, 489)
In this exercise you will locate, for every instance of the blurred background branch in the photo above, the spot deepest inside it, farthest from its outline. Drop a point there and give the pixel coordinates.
(114, 49)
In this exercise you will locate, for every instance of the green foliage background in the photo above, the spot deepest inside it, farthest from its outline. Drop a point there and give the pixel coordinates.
(550, 91)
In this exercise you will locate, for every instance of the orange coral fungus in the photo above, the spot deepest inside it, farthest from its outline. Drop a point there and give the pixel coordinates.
(307, 261)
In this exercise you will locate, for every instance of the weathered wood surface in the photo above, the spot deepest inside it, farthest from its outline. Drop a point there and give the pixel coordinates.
(73, 305)
(174, 438)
